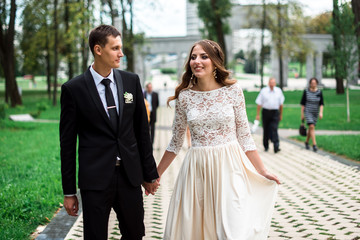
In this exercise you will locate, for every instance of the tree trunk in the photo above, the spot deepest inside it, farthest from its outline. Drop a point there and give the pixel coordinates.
(128, 37)
(130, 55)
(68, 48)
(112, 12)
(355, 4)
(7, 58)
(84, 45)
(48, 64)
(336, 40)
(262, 53)
(219, 29)
(55, 52)
(279, 45)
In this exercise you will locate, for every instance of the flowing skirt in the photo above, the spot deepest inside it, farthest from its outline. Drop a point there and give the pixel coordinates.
(219, 195)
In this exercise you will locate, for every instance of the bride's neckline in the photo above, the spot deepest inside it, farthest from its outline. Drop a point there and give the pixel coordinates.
(207, 91)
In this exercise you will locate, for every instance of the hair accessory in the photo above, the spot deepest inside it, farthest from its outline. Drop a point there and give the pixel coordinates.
(211, 44)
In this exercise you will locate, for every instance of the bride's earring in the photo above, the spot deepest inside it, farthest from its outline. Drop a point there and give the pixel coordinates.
(214, 73)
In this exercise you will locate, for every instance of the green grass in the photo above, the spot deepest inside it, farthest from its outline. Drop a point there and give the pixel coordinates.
(334, 110)
(334, 119)
(338, 144)
(30, 185)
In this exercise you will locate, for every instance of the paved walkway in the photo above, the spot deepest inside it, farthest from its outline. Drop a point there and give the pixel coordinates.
(319, 197)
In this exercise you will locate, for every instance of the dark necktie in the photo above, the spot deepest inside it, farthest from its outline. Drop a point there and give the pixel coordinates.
(111, 107)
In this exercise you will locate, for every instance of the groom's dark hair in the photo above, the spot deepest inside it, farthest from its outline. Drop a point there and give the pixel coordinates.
(98, 36)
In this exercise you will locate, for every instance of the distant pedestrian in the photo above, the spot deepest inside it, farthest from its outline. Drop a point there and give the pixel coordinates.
(153, 98)
(271, 100)
(312, 105)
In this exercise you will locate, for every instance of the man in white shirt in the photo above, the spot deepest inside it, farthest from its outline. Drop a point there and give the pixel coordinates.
(271, 100)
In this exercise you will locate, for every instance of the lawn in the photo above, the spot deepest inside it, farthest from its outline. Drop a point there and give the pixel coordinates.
(338, 144)
(334, 110)
(30, 186)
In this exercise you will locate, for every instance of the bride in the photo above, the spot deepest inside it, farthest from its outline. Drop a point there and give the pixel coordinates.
(223, 190)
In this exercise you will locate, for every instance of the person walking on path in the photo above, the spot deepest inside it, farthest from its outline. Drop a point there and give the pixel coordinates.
(104, 108)
(271, 100)
(153, 98)
(312, 105)
(223, 190)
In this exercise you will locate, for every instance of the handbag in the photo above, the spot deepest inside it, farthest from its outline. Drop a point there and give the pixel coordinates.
(302, 129)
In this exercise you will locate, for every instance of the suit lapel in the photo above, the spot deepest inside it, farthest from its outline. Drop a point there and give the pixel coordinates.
(120, 89)
(90, 83)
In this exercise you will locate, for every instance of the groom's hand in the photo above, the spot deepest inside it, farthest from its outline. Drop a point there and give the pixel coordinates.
(71, 205)
(151, 188)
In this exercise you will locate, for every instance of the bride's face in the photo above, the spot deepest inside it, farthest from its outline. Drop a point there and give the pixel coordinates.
(200, 63)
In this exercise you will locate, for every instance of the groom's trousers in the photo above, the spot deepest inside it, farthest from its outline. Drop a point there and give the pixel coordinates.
(126, 200)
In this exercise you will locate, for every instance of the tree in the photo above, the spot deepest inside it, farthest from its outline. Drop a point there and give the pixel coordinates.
(214, 14)
(250, 64)
(286, 30)
(320, 24)
(7, 52)
(346, 54)
(68, 50)
(55, 24)
(262, 50)
(285, 22)
(355, 5)
(336, 30)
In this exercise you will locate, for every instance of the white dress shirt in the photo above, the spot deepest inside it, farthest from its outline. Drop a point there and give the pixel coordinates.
(270, 99)
(101, 88)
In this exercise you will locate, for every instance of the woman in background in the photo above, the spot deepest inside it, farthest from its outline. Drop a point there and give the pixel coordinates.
(312, 105)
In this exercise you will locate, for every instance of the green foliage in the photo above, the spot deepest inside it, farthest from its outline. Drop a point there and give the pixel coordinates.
(320, 24)
(34, 36)
(209, 15)
(286, 25)
(250, 64)
(168, 70)
(346, 54)
(240, 55)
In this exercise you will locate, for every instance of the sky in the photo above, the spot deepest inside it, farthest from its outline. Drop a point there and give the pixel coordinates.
(168, 17)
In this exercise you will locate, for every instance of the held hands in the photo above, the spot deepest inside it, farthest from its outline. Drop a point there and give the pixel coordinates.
(71, 205)
(151, 188)
(257, 117)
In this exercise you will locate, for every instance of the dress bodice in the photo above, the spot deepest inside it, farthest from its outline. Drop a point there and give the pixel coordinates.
(214, 117)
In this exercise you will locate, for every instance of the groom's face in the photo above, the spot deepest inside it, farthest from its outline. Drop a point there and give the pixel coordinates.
(111, 53)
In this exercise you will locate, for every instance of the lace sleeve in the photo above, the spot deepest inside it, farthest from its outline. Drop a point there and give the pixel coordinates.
(242, 125)
(179, 126)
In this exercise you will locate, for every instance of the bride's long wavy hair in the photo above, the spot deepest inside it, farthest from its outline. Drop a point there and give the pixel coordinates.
(216, 56)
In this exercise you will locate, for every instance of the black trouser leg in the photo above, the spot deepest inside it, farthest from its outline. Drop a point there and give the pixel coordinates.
(274, 130)
(127, 202)
(129, 209)
(266, 126)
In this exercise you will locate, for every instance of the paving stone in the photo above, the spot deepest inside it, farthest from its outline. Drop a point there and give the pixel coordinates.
(318, 198)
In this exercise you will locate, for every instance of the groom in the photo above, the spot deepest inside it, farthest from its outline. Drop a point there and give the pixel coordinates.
(104, 109)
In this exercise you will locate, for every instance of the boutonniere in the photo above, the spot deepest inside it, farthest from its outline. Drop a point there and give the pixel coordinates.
(128, 97)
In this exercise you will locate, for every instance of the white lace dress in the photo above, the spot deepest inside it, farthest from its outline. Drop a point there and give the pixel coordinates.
(218, 193)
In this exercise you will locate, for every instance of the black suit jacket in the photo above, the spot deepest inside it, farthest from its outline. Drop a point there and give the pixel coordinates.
(154, 105)
(83, 116)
